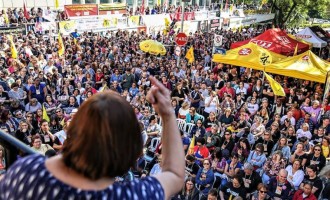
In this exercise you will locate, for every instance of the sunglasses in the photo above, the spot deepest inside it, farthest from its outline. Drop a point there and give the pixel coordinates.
(317, 149)
(206, 163)
(261, 191)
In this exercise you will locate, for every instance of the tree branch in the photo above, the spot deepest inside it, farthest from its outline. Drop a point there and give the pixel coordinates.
(290, 11)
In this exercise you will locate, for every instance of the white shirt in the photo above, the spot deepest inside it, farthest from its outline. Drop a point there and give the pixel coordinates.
(296, 178)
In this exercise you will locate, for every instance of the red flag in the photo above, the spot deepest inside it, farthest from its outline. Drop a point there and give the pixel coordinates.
(26, 14)
(142, 8)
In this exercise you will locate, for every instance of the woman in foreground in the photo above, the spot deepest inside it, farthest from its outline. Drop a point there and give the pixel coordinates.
(94, 155)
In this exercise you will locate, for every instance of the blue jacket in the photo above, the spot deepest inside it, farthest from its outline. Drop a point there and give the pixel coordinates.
(286, 193)
(208, 181)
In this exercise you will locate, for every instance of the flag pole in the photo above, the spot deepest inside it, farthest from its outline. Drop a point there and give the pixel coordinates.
(212, 53)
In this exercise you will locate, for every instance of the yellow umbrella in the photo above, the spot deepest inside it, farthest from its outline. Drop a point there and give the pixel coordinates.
(153, 47)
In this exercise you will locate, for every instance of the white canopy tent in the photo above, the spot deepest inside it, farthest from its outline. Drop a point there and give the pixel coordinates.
(309, 36)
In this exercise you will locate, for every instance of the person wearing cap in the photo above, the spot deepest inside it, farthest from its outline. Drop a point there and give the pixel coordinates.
(251, 178)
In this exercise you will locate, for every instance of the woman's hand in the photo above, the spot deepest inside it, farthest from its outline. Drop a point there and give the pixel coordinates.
(159, 97)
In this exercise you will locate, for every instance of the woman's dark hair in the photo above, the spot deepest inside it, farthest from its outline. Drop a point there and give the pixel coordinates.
(117, 145)
(34, 137)
(260, 146)
(246, 142)
(152, 117)
(313, 167)
(234, 154)
(216, 153)
(4, 115)
(191, 158)
(200, 140)
(239, 178)
(213, 192)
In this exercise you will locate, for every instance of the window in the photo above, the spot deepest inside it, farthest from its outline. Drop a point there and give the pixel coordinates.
(90, 1)
(76, 1)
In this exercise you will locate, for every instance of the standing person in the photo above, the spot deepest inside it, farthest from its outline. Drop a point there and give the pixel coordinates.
(95, 175)
(127, 79)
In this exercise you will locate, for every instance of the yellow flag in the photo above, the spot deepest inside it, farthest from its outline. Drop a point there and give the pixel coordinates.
(44, 114)
(62, 122)
(240, 28)
(75, 41)
(103, 88)
(276, 87)
(231, 8)
(61, 45)
(5, 16)
(13, 49)
(167, 22)
(57, 4)
(190, 55)
(191, 146)
(295, 51)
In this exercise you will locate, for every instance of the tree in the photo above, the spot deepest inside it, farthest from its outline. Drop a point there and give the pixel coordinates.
(288, 12)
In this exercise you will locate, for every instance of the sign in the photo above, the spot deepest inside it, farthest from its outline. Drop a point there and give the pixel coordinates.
(262, 43)
(12, 30)
(215, 23)
(218, 50)
(218, 40)
(78, 10)
(181, 39)
(177, 50)
(303, 36)
(245, 51)
(265, 58)
(112, 8)
(188, 16)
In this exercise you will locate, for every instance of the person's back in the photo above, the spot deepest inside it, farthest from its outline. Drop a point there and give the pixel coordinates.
(98, 129)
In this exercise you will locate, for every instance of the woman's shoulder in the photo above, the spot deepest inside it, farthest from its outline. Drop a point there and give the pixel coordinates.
(29, 177)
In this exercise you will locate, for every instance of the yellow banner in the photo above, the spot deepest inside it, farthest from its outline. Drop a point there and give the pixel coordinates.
(67, 27)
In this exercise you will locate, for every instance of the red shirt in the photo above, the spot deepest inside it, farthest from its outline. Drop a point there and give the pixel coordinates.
(299, 196)
(203, 151)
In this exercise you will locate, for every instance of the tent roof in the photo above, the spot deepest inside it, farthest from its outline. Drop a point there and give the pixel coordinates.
(321, 33)
(277, 41)
(308, 35)
(249, 55)
(305, 66)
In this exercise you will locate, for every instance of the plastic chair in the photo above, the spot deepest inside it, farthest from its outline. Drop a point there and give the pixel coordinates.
(181, 123)
(188, 127)
(201, 117)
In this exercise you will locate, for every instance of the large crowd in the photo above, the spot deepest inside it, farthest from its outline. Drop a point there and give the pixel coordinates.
(248, 143)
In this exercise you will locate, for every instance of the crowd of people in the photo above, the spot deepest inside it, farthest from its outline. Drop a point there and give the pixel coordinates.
(249, 143)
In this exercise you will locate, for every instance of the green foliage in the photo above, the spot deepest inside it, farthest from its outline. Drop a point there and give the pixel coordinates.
(294, 12)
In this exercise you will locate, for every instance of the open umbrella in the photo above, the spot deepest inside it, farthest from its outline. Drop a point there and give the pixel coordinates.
(153, 47)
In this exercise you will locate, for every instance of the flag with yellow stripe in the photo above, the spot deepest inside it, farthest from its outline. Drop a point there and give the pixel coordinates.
(295, 51)
(13, 49)
(190, 55)
(44, 114)
(191, 146)
(276, 87)
(57, 4)
(61, 45)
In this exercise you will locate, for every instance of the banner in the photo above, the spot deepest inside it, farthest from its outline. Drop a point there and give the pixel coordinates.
(187, 16)
(92, 24)
(78, 10)
(67, 27)
(134, 20)
(11, 30)
(44, 26)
